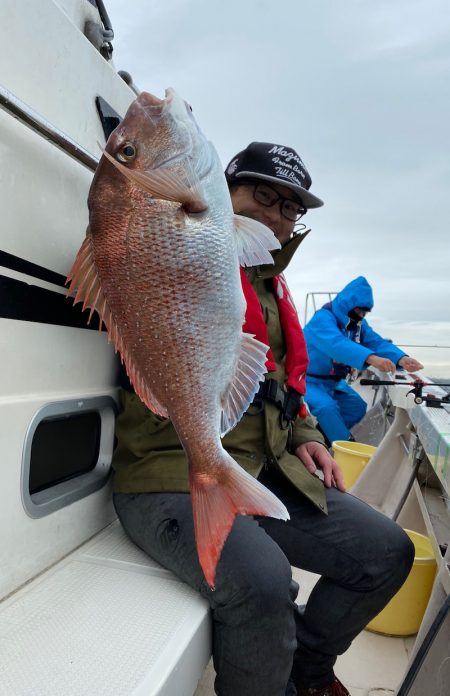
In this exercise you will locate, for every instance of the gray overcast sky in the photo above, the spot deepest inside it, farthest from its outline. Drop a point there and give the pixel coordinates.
(361, 89)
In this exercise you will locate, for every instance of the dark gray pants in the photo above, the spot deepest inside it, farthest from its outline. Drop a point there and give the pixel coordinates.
(260, 638)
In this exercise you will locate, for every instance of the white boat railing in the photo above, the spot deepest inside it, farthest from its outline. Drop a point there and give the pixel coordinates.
(29, 117)
(311, 299)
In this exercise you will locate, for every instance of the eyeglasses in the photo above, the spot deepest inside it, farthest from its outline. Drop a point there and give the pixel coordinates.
(268, 196)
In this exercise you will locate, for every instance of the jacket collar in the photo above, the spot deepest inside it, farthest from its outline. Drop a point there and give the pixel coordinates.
(282, 258)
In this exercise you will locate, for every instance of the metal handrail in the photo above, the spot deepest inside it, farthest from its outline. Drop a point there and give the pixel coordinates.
(312, 296)
(26, 115)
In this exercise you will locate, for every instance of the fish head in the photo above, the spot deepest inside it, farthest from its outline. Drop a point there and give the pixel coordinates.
(158, 133)
(161, 151)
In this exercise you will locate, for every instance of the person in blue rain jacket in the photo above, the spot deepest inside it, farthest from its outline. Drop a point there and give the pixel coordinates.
(340, 339)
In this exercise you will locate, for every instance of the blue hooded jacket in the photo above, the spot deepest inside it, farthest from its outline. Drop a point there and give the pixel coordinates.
(329, 340)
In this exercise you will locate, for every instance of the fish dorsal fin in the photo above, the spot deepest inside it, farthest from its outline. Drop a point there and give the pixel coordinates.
(163, 184)
(254, 241)
(249, 373)
(86, 285)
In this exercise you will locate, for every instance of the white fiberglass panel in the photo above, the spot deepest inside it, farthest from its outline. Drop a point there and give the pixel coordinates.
(55, 362)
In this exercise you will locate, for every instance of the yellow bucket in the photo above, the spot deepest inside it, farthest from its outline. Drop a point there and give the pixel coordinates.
(352, 457)
(404, 613)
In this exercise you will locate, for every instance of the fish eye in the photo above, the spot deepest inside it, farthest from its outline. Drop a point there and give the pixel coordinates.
(126, 153)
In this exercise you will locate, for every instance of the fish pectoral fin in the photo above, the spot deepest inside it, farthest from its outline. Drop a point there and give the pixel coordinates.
(161, 183)
(215, 504)
(85, 283)
(254, 241)
(250, 371)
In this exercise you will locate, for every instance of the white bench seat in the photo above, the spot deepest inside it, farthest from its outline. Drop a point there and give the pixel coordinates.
(106, 620)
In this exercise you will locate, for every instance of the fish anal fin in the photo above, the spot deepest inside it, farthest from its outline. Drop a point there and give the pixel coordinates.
(215, 504)
(163, 184)
(141, 388)
(254, 241)
(250, 371)
(85, 284)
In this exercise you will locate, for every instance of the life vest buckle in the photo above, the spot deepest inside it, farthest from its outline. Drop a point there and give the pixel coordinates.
(288, 402)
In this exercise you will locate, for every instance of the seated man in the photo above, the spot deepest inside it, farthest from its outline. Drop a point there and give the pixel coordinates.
(263, 645)
(339, 339)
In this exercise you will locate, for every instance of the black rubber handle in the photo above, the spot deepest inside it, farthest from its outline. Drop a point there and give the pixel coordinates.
(377, 381)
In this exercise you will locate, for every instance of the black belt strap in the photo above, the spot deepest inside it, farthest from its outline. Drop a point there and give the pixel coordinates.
(335, 378)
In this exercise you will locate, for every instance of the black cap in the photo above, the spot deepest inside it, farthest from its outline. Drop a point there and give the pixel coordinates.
(275, 163)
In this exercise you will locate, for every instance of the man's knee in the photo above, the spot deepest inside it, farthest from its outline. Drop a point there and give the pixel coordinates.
(331, 421)
(392, 564)
(377, 552)
(326, 410)
(403, 553)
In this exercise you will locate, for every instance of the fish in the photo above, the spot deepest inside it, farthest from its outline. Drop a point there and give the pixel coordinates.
(160, 266)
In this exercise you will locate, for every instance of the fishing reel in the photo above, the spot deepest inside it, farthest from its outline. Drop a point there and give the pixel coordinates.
(417, 389)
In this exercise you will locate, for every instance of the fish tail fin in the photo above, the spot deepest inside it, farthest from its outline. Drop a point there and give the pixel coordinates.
(217, 500)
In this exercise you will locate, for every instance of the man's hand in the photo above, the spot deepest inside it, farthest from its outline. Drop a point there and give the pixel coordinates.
(315, 456)
(382, 364)
(410, 364)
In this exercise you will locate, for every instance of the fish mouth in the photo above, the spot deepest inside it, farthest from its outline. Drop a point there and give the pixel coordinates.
(147, 100)
(178, 112)
(154, 108)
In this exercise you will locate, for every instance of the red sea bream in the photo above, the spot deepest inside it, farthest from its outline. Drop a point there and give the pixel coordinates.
(160, 265)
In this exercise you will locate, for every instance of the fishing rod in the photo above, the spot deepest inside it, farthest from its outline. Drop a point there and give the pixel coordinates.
(417, 386)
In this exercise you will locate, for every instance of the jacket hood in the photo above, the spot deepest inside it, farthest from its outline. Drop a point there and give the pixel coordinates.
(357, 293)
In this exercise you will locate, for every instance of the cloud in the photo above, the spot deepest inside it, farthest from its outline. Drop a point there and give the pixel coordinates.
(360, 89)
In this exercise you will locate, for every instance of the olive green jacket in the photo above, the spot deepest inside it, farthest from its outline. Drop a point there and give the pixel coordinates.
(150, 458)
